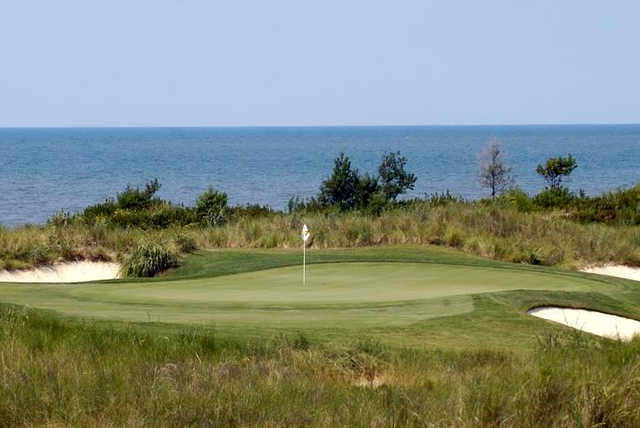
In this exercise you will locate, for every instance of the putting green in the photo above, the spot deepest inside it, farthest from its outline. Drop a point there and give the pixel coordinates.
(344, 295)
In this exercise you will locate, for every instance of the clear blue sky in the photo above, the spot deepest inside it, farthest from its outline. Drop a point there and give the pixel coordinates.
(349, 62)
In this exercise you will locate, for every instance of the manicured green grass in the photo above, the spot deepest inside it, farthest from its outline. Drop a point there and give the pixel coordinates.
(404, 296)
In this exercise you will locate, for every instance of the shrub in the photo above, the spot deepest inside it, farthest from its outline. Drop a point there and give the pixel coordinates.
(138, 208)
(621, 206)
(103, 210)
(137, 199)
(518, 199)
(249, 211)
(454, 237)
(211, 207)
(147, 259)
(558, 197)
(185, 243)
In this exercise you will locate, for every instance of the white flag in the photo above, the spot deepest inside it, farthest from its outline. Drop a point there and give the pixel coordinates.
(305, 233)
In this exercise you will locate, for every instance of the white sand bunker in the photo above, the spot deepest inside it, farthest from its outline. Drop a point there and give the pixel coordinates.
(620, 271)
(64, 272)
(601, 324)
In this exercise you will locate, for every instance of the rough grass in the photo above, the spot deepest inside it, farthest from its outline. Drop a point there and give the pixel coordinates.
(63, 373)
(147, 259)
(487, 230)
(490, 231)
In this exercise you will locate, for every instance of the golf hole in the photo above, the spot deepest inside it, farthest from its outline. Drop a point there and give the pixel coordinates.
(594, 322)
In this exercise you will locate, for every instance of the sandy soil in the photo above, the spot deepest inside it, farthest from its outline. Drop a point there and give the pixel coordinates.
(620, 271)
(64, 272)
(605, 325)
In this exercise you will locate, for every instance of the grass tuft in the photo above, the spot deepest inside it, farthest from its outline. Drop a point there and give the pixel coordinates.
(148, 259)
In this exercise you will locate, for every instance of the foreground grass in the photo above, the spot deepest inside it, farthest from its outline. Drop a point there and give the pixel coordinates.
(73, 373)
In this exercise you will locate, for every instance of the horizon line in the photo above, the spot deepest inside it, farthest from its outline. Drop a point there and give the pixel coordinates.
(321, 126)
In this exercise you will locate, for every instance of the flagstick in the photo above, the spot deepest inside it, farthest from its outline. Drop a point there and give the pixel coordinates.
(305, 236)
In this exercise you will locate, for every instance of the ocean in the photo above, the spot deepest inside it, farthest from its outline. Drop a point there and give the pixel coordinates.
(47, 170)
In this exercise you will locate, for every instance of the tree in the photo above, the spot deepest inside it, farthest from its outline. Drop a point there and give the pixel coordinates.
(367, 187)
(341, 187)
(394, 179)
(211, 207)
(348, 189)
(494, 174)
(555, 169)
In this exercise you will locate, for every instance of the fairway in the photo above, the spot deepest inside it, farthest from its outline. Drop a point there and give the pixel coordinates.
(337, 295)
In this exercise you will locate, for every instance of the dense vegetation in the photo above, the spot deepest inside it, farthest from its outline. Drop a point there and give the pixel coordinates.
(554, 227)
(512, 228)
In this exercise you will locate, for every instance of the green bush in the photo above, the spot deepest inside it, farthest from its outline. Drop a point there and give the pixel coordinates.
(185, 243)
(621, 206)
(103, 210)
(136, 198)
(557, 197)
(211, 207)
(518, 199)
(249, 211)
(147, 259)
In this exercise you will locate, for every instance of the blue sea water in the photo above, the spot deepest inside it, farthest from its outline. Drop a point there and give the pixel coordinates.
(46, 170)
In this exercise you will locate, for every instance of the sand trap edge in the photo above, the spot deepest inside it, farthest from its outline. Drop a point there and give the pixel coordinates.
(83, 271)
(590, 321)
(619, 271)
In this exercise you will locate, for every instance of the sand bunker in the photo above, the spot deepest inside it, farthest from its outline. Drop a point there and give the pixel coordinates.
(620, 271)
(64, 272)
(601, 324)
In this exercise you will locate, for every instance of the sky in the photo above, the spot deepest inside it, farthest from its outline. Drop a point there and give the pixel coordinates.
(317, 63)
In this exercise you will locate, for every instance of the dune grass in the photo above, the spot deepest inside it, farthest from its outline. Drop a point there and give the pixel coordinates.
(487, 365)
(494, 231)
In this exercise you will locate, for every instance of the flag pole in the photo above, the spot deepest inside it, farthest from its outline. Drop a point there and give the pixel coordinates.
(305, 236)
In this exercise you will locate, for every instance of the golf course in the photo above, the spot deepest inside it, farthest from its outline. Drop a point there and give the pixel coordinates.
(402, 296)
(411, 336)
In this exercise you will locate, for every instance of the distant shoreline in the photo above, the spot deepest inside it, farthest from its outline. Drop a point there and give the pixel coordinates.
(470, 125)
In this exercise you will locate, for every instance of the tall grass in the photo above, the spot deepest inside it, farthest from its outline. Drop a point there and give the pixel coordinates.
(148, 259)
(488, 230)
(55, 373)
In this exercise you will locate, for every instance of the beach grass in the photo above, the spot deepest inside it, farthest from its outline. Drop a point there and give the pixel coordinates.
(488, 230)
